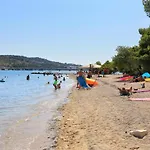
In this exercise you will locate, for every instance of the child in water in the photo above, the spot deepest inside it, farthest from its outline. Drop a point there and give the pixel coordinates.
(59, 85)
(55, 83)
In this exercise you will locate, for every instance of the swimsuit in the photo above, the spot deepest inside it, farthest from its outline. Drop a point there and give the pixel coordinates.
(55, 82)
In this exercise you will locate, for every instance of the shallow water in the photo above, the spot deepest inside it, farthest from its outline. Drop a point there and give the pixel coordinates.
(26, 106)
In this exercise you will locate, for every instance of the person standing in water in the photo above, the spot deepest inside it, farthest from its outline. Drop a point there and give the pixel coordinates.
(64, 78)
(55, 82)
(28, 77)
(59, 85)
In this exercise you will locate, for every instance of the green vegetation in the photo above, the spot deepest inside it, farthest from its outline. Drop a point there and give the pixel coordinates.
(22, 63)
(98, 63)
(136, 59)
(109, 65)
(132, 60)
(146, 4)
(126, 60)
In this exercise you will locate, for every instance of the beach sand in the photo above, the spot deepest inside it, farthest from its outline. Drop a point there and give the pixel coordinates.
(100, 119)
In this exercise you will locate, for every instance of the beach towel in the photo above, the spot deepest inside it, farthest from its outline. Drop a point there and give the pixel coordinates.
(139, 99)
(126, 78)
(82, 82)
(147, 79)
(140, 91)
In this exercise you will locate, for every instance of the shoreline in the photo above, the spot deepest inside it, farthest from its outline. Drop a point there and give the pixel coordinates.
(101, 119)
(37, 130)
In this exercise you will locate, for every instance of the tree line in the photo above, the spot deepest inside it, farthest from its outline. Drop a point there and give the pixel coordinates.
(136, 59)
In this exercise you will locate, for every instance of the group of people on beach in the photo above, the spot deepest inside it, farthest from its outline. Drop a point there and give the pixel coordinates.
(127, 92)
(123, 91)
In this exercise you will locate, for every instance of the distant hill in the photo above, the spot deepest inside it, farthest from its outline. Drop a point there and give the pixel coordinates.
(32, 63)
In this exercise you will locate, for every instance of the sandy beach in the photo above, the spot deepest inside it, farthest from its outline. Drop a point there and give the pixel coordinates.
(101, 119)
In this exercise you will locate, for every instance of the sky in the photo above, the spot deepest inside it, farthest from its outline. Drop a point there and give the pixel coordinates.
(72, 31)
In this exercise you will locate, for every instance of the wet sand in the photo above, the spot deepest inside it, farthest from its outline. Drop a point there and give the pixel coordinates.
(100, 119)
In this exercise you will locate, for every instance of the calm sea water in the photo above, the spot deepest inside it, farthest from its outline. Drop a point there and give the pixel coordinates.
(19, 96)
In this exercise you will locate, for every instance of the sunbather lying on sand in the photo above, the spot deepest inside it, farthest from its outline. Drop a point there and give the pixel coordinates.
(138, 79)
(125, 92)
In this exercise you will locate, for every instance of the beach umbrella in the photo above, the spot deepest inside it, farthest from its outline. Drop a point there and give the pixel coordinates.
(96, 66)
(146, 74)
(85, 67)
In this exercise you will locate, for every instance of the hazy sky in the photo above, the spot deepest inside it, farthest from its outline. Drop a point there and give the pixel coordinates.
(77, 31)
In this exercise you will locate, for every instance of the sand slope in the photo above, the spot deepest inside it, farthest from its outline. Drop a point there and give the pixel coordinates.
(99, 119)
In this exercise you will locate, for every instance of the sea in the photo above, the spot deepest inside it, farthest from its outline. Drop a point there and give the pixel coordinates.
(27, 105)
